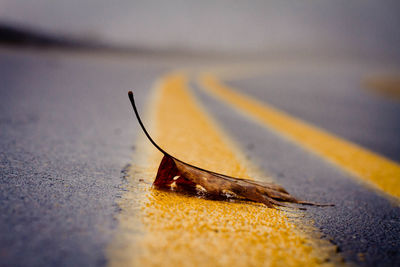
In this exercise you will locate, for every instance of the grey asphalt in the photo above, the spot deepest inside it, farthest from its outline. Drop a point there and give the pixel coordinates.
(66, 134)
(363, 224)
(333, 96)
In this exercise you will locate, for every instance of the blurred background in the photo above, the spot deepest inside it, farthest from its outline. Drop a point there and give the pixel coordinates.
(365, 28)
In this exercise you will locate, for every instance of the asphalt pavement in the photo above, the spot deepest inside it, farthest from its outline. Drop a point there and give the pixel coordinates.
(333, 96)
(67, 135)
(363, 224)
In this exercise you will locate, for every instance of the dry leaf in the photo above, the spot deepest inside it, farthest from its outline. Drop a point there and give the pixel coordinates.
(174, 173)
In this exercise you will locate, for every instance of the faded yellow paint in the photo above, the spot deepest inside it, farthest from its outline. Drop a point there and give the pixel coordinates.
(179, 230)
(385, 84)
(372, 168)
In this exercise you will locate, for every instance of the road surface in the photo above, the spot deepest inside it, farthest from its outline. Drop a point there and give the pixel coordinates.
(68, 181)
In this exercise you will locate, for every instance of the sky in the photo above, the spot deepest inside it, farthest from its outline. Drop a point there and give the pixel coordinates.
(301, 25)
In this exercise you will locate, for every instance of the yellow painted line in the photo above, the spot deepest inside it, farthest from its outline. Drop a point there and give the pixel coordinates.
(385, 84)
(370, 167)
(171, 229)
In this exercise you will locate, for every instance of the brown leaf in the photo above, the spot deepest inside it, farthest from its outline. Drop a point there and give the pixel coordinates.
(173, 172)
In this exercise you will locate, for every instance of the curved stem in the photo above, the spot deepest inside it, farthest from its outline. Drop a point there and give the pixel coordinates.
(130, 94)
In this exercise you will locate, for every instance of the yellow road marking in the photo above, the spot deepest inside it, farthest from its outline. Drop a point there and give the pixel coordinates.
(178, 230)
(360, 162)
(385, 84)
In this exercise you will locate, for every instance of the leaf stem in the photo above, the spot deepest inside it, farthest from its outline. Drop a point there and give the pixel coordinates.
(130, 94)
